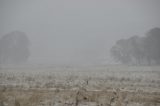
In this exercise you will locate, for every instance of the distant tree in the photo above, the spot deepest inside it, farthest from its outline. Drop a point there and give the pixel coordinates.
(120, 51)
(152, 46)
(14, 48)
(138, 50)
(136, 47)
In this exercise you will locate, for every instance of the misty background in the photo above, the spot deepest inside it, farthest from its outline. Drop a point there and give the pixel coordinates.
(77, 31)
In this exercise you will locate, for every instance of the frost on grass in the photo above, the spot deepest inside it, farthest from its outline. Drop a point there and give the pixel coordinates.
(98, 86)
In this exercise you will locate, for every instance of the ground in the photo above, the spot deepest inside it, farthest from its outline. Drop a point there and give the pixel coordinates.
(80, 86)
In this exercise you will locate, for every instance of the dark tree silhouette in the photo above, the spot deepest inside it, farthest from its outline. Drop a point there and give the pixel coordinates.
(152, 46)
(14, 48)
(120, 51)
(139, 50)
(136, 49)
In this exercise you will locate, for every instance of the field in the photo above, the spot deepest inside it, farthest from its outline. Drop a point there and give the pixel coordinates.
(80, 86)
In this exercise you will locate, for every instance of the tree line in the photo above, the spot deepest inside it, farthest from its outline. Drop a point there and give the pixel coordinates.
(138, 50)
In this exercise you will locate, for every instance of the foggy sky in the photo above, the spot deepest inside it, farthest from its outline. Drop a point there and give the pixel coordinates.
(77, 31)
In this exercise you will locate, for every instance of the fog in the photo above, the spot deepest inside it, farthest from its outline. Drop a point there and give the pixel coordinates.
(77, 31)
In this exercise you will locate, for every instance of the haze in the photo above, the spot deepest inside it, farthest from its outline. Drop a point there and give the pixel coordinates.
(77, 31)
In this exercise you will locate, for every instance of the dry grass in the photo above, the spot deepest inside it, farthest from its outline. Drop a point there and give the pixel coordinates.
(98, 86)
(78, 97)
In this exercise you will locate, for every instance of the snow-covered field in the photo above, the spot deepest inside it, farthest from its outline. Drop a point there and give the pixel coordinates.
(80, 86)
